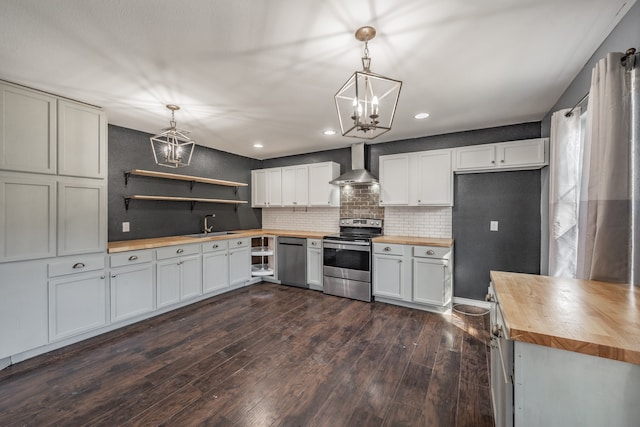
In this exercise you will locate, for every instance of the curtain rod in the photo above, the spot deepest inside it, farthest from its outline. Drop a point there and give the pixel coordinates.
(623, 60)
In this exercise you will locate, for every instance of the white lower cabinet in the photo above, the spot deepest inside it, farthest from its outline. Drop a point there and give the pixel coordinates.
(215, 266)
(314, 264)
(131, 285)
(178, 274)
(23, 307)
(77, 303)
(239, 261)
(413, 276)
(389, 264)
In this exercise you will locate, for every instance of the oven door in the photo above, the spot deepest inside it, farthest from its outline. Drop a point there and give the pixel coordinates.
(347, 260)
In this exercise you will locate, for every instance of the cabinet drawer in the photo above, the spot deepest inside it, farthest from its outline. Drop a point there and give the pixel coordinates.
(215, 246)
(77, 264)
(130, 258)
(176, 251)
(239, 243)
(431, 252)
(314, 243)
(389, 249)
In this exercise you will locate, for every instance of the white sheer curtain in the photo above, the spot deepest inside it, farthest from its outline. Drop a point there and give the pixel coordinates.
(564, 191)
(594, 206)
(605, 219)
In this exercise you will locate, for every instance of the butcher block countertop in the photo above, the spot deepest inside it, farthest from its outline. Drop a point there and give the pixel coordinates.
(584, 316)
(158, 242)
(418, 241)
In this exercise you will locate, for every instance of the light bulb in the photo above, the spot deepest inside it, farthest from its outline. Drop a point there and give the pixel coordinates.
(374, 106)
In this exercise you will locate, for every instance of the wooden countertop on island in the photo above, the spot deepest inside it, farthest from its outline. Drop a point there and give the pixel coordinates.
(584, 316)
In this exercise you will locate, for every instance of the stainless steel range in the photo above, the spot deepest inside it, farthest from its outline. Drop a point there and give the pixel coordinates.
(347, 258)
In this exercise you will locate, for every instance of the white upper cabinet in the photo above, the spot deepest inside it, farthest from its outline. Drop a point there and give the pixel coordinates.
(27, 216)
(321, 192)
(266, 188)
(82, 216)
(394, 180)
(27, 130)
(513, 155)
(82, 140)
(435, 178)
(295, 185)
(416, 179)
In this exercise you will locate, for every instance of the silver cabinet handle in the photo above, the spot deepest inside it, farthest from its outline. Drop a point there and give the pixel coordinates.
(431, 252)
(419, 201)
(238, 243)
(113, 275)
(102, 277)
(387, 249)
(502, 161)
(215, 246)
(295, 203)
(78, 265)
(179, 251)
(489, 297)
(179, 262)
(133, 258)
(493, 161)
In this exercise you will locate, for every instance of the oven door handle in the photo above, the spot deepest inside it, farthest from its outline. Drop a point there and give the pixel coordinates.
(351, 246)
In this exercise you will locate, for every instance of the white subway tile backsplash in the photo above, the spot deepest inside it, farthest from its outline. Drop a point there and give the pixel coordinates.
(419, 221)
(302, 219)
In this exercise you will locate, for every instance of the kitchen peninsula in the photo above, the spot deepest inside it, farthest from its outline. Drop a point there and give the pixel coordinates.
(571, 349)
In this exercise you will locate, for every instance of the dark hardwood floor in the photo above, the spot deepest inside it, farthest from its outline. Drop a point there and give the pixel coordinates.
(266, 355)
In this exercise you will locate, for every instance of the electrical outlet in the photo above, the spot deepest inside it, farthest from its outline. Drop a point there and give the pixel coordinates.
(125, 227)
(493, 226)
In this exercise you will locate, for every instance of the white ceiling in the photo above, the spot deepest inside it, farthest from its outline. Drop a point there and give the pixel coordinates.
(245, 71)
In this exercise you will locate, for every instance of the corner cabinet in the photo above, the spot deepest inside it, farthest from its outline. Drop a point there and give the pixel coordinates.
(504, 156)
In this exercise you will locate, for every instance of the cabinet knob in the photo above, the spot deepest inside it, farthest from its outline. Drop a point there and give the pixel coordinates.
(215, 246)
(502, 161)
(78, 265)
(113, 276)
(387, 249)
(419, 201)
(179, 262)
(238, 243)
(179, 251)
(133, 258)
(431, 252)
(295, 203)
(489, 297)
(493, 161)
(102, 277)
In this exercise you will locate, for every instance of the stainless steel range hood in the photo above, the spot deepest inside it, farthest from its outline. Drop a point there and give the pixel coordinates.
(358, 175)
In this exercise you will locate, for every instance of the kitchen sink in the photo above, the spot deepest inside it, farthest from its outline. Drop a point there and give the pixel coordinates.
(215, 233)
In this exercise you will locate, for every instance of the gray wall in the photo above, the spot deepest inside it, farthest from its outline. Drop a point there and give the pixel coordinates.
(130, 149)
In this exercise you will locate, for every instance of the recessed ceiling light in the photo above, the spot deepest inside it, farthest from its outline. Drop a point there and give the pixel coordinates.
(329, 132)
(420, 116)
(258, 145)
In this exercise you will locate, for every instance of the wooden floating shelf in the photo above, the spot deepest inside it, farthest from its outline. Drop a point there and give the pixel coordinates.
(189, 178)
(193, 200)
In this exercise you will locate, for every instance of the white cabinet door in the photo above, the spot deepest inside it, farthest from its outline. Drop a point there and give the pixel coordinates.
(77, 303)
(435, 178)
(388, 276)
(167, 282)
(529, 152)
(23, 307)
(215, 271)
(321, 193)
(314, 264)
(274, 182)
(82, 216)
(476, 157)
(27, 217)
(27, 130)
(394, 180)
(191, 277)
(239, 266)
(295, 185)
(258, 188)
(132, 291)
(429, 281)
(82, 140)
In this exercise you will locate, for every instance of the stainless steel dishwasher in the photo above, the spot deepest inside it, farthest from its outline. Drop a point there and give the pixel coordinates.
(292, 261)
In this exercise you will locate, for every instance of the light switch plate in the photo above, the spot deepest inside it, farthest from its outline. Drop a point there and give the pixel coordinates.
(125, 227)
(493, 226)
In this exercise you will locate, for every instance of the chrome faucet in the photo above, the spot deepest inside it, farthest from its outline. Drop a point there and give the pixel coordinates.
(208, 228)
